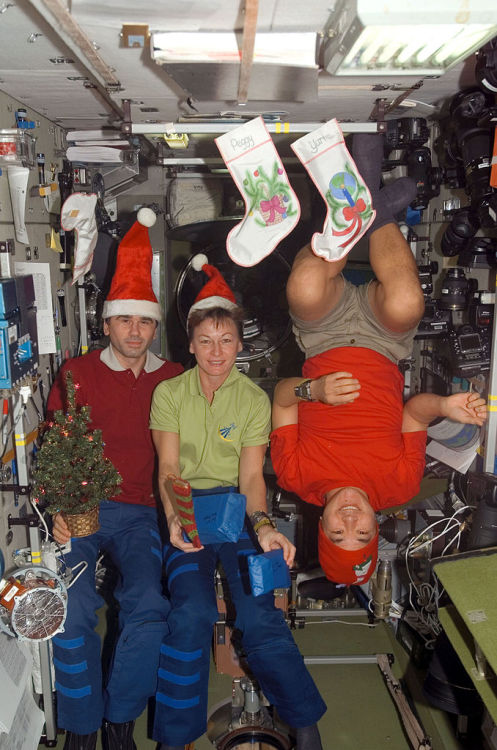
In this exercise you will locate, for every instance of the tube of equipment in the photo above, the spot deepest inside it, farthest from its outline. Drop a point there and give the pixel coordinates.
(382, 590)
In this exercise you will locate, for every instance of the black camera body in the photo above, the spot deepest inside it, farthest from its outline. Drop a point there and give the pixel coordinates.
(470, 351)
(428, 178)
(425, 273)
(435, 322)
(406, 132)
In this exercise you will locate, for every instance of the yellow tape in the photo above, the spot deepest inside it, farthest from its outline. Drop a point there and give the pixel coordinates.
(36, 557)
(491, 408)
(492, 398)
(282, 127)
(20, 439)
(11, 454)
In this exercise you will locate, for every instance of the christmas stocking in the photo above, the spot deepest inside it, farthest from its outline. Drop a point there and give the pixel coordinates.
(271, 207)
(180, 494)
(78, 212)
(349, 207)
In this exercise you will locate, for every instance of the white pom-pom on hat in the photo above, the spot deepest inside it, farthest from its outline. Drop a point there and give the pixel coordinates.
(146, 217)
(216, 292)
(199, 261)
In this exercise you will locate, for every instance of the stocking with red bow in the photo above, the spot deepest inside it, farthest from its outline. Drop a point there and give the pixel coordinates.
(349, 207)
(271, 207)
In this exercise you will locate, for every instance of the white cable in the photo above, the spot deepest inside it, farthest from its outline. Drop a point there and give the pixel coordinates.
(427, 595)
(43, 522)
(84, 565)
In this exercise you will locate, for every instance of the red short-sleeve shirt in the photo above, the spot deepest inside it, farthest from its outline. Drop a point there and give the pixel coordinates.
(354, 445)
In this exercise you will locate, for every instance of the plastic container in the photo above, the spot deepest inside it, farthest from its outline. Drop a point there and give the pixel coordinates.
(17, 147)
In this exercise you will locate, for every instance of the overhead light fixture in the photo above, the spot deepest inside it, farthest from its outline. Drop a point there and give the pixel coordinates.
(421, 37)
(271, 48)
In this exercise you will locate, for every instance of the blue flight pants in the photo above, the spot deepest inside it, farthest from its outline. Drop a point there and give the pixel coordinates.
(273, 657)
(129, 534)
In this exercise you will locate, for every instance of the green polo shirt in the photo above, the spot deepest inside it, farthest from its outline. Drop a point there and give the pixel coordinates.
(211, 435)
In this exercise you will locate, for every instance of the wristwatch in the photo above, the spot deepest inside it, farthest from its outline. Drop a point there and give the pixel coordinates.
(259, 518)
(303, 390)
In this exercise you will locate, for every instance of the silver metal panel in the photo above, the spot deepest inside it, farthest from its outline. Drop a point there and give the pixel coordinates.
(214, 81)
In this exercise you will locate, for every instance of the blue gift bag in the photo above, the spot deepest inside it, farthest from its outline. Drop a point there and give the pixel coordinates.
(219, 517)
(268, 571)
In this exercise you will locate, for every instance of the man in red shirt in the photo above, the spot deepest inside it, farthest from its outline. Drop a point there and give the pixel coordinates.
(117, 383)
(343, 438)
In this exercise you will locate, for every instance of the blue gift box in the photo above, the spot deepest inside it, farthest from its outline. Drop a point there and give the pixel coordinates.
(268, 571)
(219, 517)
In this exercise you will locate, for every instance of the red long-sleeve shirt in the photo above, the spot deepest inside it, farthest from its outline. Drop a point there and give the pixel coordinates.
(120, 407)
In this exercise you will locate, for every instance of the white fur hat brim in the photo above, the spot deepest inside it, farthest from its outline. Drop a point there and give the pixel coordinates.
(144, 308)
(213, 301)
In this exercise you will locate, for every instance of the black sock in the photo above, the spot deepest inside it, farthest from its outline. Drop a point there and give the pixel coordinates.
(367, 150)
(308, 738)
(398, 195)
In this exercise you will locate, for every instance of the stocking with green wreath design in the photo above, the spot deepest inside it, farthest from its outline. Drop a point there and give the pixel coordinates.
(271, 207)
(348, 201)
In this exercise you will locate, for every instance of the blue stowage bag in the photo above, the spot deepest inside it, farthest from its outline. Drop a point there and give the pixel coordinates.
(219, 518)
(268, 571)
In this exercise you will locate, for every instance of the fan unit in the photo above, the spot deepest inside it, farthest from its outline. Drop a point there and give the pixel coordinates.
(33, 603)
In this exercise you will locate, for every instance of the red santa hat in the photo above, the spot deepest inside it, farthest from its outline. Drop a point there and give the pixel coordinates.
(347, 566)
(131, 290)
(216, 292)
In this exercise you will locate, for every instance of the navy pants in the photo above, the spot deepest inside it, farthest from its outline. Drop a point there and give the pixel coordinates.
(129, 534)
(273, 657)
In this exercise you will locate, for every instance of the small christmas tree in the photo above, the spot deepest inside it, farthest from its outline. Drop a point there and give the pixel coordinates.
(72, 474)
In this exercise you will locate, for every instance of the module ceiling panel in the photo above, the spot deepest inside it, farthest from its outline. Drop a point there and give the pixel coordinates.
(30, 37)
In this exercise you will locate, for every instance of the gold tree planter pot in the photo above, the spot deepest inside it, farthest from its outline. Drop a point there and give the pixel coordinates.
(82, 524)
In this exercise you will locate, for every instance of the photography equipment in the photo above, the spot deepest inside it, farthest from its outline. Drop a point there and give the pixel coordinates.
(425, 274)
(481, 311)
(469, 351)
(483, 531)
(480, 251)
(406, 132)
(455, 290)
(471, 141)
(435, 322)
(428, 179)
(463, 226)
(486, 65)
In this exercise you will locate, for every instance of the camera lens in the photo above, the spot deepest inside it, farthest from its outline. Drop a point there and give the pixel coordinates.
(472, 137)
(454, 291)
(462, 228)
